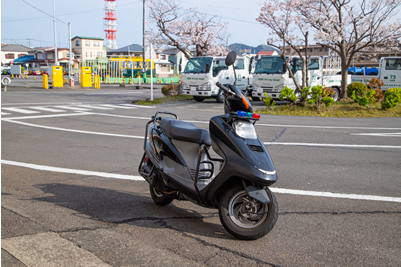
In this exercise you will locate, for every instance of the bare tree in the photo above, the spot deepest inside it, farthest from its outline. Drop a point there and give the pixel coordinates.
(186, 29)
(349, 29)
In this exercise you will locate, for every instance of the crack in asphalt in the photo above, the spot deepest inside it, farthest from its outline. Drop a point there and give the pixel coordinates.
(278, 135)
(162, 223)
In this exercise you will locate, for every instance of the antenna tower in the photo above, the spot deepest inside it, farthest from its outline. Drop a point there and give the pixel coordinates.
(110, 25)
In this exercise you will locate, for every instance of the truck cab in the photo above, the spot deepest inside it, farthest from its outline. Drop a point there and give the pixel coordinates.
(202, 73)
(271, 75)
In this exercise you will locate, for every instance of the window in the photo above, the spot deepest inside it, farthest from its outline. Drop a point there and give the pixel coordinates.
(393, 64)
(91, 54)
(86, 54)
(77, 42)
(239, 64)
(10, 56)
(87, 43)
(162, 57)
(96, 43)
(99, 54)
(218, 65)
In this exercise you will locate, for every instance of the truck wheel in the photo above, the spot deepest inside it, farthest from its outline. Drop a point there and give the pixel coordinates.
(220, 96)
(198, 98)
(244, 217)
(336, 95)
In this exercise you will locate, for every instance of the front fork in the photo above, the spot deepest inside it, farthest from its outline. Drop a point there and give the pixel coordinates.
(256, 193)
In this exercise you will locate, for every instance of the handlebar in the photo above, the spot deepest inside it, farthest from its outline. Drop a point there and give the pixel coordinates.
(225, 88)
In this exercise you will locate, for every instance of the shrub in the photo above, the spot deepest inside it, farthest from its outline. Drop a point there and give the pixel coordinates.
(376, 85)
(391, 98)
(289, 95)
(364, 98)
(269, 101)
(357, 87)
(170, 90)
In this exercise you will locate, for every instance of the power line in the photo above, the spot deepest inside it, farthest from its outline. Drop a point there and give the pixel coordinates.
(43, 12)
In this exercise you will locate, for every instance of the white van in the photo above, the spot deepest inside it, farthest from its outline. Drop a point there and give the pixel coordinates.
(202, 73)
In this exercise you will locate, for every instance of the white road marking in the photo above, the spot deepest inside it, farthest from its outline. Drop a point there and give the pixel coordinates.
(137, 106)
(330, 145)
(72, 108)
(140, 178)
(71, 130)
(46, 116)
(20, 110)
(334, 195)
(380, 134)
(93, 107)
(324, 127)
(48, 109)
(117, 106)
(4, 113)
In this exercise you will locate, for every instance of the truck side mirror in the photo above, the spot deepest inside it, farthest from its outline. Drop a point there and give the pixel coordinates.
(207, 68)
(284, 68)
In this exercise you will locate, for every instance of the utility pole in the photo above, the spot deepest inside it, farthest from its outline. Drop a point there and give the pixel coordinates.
(69, 43)
(55, 36)
(143, 41)
(29, 40)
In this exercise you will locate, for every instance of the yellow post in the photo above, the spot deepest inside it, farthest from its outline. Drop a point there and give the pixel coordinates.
(45, 82)
(86, 77)
(58, 79)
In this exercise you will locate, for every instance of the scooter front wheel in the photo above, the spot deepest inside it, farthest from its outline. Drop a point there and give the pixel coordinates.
(246, 218)
(158, 197)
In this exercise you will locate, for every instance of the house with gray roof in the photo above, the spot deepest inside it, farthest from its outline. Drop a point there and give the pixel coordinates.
(10, 52)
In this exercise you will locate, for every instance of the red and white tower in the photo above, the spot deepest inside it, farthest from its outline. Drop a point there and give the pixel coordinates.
(110, 25)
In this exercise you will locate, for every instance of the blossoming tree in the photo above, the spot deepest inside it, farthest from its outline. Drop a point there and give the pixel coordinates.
(348, 27)
(186, 29)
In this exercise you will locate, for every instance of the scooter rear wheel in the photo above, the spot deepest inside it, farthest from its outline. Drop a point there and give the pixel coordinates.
(158, 197)
(244, 217)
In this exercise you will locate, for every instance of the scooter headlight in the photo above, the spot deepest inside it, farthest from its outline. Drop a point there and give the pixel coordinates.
(245, 129)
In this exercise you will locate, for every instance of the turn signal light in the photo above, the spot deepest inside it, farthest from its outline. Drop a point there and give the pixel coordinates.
(248, 114)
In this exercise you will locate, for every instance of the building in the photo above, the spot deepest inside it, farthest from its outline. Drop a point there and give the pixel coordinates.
(88, 48)
(10, 52)
(134, 50)
(44, 57)
(266, 53)
(171, 62)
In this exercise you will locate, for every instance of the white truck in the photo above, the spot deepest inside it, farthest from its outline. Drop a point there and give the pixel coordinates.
(389, 73)
(202, 73)
(271, 76)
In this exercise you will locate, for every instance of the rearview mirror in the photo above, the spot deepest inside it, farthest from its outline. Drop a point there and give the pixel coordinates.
(231, 57)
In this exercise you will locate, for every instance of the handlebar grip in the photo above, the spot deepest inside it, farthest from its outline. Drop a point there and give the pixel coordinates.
(223, 87)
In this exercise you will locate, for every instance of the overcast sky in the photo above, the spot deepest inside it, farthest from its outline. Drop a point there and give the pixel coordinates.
(20, 21)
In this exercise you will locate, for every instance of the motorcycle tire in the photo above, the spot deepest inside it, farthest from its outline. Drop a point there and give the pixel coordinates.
(158, 197)
(238, 214)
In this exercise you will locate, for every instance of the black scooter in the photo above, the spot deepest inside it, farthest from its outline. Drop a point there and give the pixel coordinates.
(177, 165)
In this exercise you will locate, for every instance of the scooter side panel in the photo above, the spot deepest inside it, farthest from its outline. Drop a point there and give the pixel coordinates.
(253, 151)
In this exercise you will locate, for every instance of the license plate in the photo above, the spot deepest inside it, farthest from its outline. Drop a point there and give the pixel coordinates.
(193, 89)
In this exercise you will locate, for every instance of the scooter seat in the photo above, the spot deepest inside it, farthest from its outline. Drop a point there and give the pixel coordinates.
(184, 131)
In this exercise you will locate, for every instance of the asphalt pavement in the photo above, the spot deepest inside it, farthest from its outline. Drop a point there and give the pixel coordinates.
(72, 195)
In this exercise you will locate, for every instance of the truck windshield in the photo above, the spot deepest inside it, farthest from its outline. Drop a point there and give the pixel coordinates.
(198, 65)
(270, 65)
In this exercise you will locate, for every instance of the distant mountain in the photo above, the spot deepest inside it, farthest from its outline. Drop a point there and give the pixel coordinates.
(240, 48)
